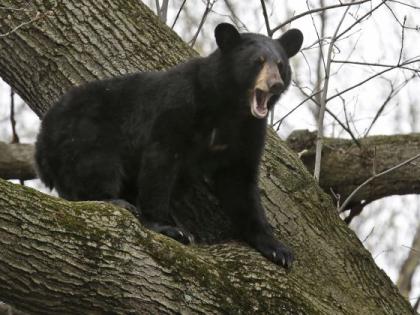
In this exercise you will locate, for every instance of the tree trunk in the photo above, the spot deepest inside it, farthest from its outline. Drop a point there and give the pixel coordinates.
(70, 42)
(345, 165)
(60, 257)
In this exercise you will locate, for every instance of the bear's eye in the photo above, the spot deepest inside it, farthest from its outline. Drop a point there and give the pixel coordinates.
(261, 60)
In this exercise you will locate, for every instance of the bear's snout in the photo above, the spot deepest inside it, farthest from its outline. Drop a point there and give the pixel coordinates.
(269, 79)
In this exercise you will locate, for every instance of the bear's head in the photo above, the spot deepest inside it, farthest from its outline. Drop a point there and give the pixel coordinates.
(257, 65)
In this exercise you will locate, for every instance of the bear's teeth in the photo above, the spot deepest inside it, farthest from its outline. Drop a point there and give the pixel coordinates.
(259, 103)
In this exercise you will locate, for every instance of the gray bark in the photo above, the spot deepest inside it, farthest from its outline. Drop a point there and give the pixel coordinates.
(345, 165)
(60, 257)
(16, 161)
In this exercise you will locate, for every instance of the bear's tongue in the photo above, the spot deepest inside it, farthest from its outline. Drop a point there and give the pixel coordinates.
(259, 103)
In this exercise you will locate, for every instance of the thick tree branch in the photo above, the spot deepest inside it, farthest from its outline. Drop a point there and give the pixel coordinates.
(16, 161)
(346, 165)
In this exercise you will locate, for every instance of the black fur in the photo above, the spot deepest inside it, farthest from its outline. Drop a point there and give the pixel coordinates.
(130, 138)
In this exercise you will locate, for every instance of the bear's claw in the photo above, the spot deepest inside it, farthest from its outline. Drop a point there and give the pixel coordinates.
(174, 232)
(273, 250)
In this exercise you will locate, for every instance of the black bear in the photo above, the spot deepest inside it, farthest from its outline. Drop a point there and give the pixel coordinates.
(129, 139)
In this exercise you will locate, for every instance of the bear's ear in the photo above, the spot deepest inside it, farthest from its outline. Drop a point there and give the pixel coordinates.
(227, 36)
(291, 41)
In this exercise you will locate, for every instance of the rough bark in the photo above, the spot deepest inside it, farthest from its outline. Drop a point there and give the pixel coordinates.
(345, 165)
(60, 257)
(70, 42)
(16, 161)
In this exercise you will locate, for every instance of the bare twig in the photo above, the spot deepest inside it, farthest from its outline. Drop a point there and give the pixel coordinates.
(266, 20)
(402, 40)
(270, 34)
(319, 39)
(354, 192)
(234, 17)
(316, 10)
(34, 19)
(15, 9)
(319, 140)
(178, 13)
(373, 64)
(368, 235)
(157, 7)
(38, 16)
(380, 110)
(320, 64)
(346, 116)
(209, 6)
(336, 196)
(371, 77)
(402, 24)
(15, 137)
(405, 4)
(393, 92)
(280, 121)
(417, 251)
(317, 43)
(162, 10)
(369, 13)
(332, 115)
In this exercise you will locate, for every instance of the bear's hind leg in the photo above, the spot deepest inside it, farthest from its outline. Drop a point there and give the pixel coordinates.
(156, 182)
(98, 176)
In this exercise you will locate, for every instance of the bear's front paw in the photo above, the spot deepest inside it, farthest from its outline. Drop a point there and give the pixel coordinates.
(174, 232)
(274, 250)
(126, 205)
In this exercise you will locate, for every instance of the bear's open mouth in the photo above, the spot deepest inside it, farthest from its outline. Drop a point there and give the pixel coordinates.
(259, 102)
